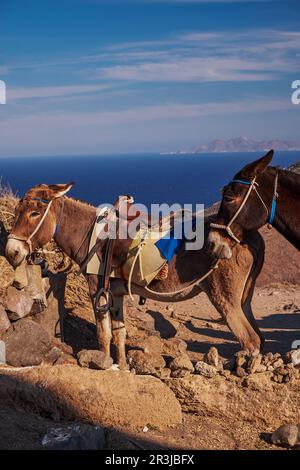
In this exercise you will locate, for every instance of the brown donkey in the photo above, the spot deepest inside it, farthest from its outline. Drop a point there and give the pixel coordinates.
(230, 287)
(258, 194)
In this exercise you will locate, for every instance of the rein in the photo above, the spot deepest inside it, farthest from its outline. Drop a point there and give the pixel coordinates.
(253, 185)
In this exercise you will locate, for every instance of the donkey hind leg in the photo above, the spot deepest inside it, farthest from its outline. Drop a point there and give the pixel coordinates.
(103, 327)
(247, 309)
(119, 330)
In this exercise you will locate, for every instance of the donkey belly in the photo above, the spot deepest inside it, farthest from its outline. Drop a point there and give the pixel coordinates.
(119, 288)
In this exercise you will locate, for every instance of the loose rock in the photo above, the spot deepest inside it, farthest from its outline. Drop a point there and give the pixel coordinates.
(180, 366)
(75, 437)
(65, 359)
(4, 320)
(295, 357)
(205, 369)
(174, 347)
(18, 304)
(94, 359)
(145, 364)
(240, 372)
(152, 345)
(212, 357)
(254, 363)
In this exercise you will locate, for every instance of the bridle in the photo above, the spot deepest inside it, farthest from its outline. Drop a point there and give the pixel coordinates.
(28, 240)
(253, 185)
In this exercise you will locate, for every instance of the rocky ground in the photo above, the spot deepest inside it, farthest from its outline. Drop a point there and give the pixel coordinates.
(219, 412)
(188, 386)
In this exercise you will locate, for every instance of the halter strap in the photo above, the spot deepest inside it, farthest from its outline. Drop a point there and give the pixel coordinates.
(28, 240)
(274, 201)
(252, 186)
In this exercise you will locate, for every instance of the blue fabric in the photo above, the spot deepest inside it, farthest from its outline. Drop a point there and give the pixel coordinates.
(241, 181)
(168, 246)
(273, 211)
(274, 201)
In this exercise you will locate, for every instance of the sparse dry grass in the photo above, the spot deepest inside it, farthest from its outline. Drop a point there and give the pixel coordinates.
(8, 202)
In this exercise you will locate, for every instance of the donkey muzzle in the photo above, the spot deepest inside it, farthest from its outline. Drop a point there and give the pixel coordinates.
(16, 251)
(218, 246)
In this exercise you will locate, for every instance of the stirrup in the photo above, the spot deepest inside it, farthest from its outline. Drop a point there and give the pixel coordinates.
(101, 309)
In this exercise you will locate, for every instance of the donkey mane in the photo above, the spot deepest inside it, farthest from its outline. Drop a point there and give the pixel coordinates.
(80, 202)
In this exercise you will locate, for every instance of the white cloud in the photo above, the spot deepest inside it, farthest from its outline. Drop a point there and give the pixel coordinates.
(49, 92)
(215, 56)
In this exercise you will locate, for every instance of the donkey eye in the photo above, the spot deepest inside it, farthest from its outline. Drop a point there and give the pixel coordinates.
(229, 198)
(35, 214)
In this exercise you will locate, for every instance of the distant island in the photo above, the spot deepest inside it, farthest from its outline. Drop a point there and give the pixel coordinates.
(239, 144)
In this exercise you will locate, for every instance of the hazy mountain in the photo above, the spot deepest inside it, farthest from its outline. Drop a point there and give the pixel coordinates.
(242, 144)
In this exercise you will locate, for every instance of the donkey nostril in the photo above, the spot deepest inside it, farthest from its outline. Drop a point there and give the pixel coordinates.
(16, 253)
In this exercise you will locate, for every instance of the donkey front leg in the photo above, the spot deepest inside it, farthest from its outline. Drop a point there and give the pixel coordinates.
(119, 330)
(225, 288)
(103, 327)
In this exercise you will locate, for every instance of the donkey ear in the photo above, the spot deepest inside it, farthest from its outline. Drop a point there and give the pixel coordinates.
(259, 166)
(59, 190)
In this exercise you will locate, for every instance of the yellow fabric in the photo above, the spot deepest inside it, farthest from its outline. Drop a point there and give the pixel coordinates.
(147, 265)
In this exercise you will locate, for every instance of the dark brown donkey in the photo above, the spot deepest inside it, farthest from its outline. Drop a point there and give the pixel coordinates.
(229, 287)
(258, 194)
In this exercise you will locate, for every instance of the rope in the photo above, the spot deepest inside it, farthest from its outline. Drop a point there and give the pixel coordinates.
(28, 240)
(179, 291)
(252, 186)
(162, 294)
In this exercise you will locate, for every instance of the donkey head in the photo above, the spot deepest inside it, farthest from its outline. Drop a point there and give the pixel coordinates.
(242, 207)
(35, 221)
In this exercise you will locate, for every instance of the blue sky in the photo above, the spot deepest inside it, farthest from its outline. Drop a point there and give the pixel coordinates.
(109, 76)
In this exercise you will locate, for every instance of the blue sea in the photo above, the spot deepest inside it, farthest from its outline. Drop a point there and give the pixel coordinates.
(184, 179)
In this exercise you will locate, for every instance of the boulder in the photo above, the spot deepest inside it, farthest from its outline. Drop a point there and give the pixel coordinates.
(27, 343)
(18, 303)
(4, 320)
(75, 437)
(255, 399)
(94, 359)
(108, 398)
(286, 436)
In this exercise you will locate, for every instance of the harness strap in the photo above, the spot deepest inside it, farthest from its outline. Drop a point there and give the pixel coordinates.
(28, 240)
(252, 186)
(274, 201)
